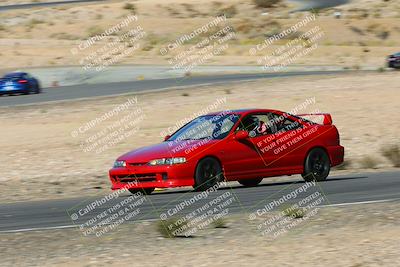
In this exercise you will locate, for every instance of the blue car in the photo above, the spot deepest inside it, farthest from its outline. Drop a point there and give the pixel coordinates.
(19, 83)
(394, 61)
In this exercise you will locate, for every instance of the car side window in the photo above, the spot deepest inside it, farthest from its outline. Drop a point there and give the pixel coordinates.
(280, 123)
(254, 124)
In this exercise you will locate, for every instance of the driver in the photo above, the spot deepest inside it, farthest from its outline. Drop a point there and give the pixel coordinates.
(254, 126)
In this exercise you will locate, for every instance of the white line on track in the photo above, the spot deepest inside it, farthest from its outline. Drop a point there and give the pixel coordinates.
(149, 220)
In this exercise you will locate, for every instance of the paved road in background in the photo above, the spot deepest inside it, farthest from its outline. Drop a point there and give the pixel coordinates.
(106, 89)
(32, 5)
(337, 190)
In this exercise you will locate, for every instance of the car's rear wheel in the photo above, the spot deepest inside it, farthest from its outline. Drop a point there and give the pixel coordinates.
(145, 191)
(208, 174)
(37, 90)
(250, 182)
(316, 166)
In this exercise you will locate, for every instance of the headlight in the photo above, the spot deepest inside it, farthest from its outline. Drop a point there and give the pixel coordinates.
(166, 161)
(119, 163)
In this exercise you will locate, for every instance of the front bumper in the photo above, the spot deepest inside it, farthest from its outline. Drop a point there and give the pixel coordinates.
(393, 63)
(163, 176)
(14, 91)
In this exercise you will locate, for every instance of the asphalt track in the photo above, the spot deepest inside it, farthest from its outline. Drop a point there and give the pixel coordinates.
(46, 4)
(337, 190)
(304, 4)
(106, 89)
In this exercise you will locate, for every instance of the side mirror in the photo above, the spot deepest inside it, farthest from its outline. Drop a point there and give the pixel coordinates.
(166, 137)
(241, 135)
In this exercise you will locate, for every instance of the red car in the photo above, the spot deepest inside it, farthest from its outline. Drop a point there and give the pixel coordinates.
(234, 145)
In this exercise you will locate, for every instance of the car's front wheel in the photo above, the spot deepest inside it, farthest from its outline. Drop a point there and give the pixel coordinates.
(145, 191)
(208, 173)
(317, 165)
(250, 182)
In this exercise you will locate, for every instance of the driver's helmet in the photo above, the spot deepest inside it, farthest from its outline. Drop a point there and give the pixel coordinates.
(250, 123)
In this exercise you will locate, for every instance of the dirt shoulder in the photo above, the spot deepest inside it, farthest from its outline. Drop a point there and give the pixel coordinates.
(359, 235)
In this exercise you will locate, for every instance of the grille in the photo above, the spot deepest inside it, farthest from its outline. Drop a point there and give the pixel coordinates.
(149, 177)
(137, 163)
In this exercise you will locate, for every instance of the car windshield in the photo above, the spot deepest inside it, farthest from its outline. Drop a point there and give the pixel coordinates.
(209, 127)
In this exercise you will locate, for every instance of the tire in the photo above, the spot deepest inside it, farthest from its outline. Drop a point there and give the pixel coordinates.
(316, 166)
(145, 191)
(37, 90)
(250, 182)
(208, 173)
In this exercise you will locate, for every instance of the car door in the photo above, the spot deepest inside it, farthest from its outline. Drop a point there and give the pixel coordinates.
(241, 158)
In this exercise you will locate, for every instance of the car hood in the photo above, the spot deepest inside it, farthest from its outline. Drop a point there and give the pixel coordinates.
(166, 149)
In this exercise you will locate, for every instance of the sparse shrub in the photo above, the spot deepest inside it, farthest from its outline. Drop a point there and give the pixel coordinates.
(229, 11)
(172, 11)
(381, 69)
(356, 30)
(64, 36)
(2, 28)
(33, 22)
(185, 94)
(215, 5)
(228, 91)
(345, 165)
(266, 3)
(244, 26)
(189, 8)
(294, 212)
(219, 223)
(172, 227)
(383, 35)
(368, 162)
(129, 6)
(392, 153)
(94, 30)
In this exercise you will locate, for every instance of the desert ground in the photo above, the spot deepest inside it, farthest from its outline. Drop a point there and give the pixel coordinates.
(365, 34)
(359, 235)
(64, 149)
(42, 158)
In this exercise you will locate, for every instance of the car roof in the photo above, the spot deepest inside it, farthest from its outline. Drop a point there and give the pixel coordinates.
(15, 74)
(242, 111)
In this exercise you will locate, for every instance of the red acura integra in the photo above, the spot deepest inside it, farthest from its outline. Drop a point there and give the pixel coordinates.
(234, 145)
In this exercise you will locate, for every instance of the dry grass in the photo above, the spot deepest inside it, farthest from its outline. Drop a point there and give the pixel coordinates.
(369, 162)
(392, 153)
